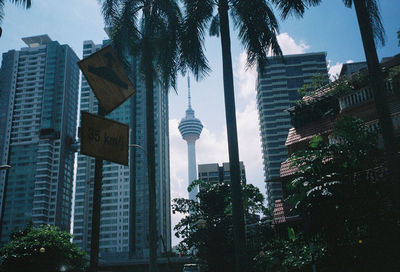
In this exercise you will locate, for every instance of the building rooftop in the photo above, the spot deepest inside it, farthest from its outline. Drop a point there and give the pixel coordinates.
(35, 41)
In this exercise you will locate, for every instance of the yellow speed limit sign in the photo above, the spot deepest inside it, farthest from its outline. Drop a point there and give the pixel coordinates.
(104, 138)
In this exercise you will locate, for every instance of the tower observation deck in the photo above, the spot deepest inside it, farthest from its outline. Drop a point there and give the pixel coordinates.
(190, 128)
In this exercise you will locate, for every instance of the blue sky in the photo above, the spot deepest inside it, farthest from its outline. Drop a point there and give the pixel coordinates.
(329, 27)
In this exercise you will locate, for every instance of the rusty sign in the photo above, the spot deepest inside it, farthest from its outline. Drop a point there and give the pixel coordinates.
(104, 138)
(107, 78)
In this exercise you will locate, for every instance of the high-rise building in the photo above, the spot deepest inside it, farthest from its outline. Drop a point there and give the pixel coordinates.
(39, 97)
(213, 173)
(190, 129)
(124, 200)
(277, 89)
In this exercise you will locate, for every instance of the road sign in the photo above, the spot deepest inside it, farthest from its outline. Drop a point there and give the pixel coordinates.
(107, 78)
(104, 138)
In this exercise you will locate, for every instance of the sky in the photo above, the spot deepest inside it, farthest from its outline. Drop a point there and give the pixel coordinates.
(330, 27)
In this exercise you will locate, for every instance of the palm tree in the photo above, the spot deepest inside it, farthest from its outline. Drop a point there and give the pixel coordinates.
(149, 30)
(372, 31)
(257, 27)
(25, 3)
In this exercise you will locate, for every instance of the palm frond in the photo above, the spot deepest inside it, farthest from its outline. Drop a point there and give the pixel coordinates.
(25, 3)
(214, 26)
(121, 19)
(374, 18)
(198, 13)
(258, 29)
(110, 11)
(294, 7)
(167, 28)
(375, 21)
(127, 20)
(1, 10)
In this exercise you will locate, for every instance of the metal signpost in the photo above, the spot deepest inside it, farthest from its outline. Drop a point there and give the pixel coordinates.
(100, 137)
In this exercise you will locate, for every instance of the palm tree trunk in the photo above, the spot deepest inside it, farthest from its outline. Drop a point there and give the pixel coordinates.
(381, 105)
(148, 57)
(230, 113)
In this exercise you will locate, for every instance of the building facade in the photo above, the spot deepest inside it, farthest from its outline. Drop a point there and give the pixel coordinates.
(319, 112)
(213, 173)
(277, 89)
(190, 129)
(39, 97)
(124, 201)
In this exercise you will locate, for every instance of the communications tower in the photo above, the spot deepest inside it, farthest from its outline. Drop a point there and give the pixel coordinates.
(190, 129)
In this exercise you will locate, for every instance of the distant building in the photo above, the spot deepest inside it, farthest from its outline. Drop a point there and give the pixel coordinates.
(190, 129)
(39, 101)
(277, 89)
(353, 67)
(124, 204)
(213, 173)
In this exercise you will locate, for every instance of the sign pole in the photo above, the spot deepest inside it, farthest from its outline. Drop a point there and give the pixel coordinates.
(111, 86)
(98, 180)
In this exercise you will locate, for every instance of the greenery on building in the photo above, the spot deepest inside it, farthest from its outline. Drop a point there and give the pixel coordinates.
(343, 195)
(317, 82)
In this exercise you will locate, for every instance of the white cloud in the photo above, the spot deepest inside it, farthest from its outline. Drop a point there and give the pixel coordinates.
(245, 77)
(210, 148)
(290, 46)
(250, 144)
(178, 161)
(334, 70)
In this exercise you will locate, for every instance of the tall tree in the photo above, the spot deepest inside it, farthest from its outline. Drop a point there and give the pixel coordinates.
(207, 228)
(257, 27)
(24, 3)
(372, 31)
(148, 29)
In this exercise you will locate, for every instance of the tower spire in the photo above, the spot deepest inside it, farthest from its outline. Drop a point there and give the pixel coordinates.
(189, 103)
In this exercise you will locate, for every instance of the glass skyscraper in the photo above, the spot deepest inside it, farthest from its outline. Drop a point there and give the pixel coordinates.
(124, 202)
(39, 96)
(277, 91)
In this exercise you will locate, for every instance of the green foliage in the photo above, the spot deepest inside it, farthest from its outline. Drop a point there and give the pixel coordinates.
(343, 194)
(398, 35)
(283, 255)
(255, 21)
(341, 86)
(318, 80)
(139, 27)
(207, 227)
(394, 78)
(23, 252)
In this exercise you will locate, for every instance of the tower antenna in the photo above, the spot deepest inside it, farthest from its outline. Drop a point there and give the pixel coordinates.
(188, 80)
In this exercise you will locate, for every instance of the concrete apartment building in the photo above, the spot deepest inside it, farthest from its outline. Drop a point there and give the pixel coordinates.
(277, 89)
(124, 204)
(39, 100)
(213, 173)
